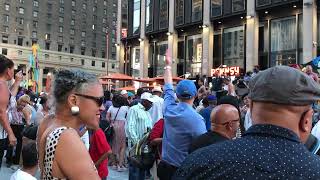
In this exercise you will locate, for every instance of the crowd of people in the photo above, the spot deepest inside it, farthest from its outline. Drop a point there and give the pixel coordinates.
(258, 126)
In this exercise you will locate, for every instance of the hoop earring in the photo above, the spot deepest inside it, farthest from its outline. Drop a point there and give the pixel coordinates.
(75, 110)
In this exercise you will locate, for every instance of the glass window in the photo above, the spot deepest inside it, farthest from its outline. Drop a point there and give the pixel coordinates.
(216, 8)
(233, 46)
(179, 12)
(48, 27)
(136, 17)
(60, 39)
(35, 3)
(6, 18)
(160, 58)
(149, 15)
(94, 9)
(83, 34)
(83, 43)
(21, 21)
(196, 10)
(238, 5)
(35, 24)
(194, 55)
(104, 29)
(49, 7)
(300, 38)
(105, 2)
(84, 6)
(93, 63)
(72, 31)
(73, 12)
(163, 16)
(60, 29)
(6, 29)
(135, 62)
(72, 22)
(62, 1)
(60, 19)
(103, 64)
(105, 12)
(104, 20)
(260, 3)
(73, 3)
(34, 34)
(61, 9)
(21, 10)
(35, 13)
(7, 7)
(5, 39)
(283, 40)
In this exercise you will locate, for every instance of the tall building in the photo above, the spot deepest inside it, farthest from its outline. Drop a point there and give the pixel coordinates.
(206, 34)
(70, 33)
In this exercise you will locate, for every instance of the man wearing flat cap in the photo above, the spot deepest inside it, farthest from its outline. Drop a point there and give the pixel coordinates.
(272, 148)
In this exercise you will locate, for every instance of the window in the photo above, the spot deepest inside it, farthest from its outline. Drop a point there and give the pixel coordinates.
(35, 13)
(196, 10)
(104, 20)
(216, 8)
(71, 49)
(46, 56)
(95, 17)
(94, 44)
(60, 19)
(73, 3)
(34, 34)
(61, 10)
(72, 22)
(35, 3)
(60, 29)
(72, 31)
(83, 51)
(61, 1)
(4, 51)
(93, 27)
(20, 41)
(19, 52)
(71, 59)
(103, 64)
(104, 29)
(113, 32)
(163, 16)
(179, 10)
(21, 10)
(113, 66)
(194, 54)
(49, 15)
(83, 34)
(233, 46)
(47, 46)
(21, 20)
(7, 7)
(84, 6)
(114, 23)
(93, 53)
(103, 54)
(105, 2)
(82, 62)
(59, 47)
(238, 5)
(71, 40)
(6, 18)
(114, 14)
(149, 15)
(48, 27)
(5, 29)
(94, 9)
(73, 12)
(5, 39)
(49, 7)
(93, 63)
(47, 36)
(60, 39)
(136, 16)
(105, 12)
(35, 24)
(114, 5)
(83, 43)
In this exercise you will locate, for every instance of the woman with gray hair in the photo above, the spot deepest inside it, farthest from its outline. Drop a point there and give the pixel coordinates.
(78, 103)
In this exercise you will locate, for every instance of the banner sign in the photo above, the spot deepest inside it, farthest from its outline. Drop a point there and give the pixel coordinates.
(226, 71)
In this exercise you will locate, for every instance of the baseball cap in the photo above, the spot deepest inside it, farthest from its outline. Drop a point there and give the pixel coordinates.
(212, 98)
(284, 85)
(157, 89)
(147, 96)
(123, 92)
(130, 94)
(186, 89)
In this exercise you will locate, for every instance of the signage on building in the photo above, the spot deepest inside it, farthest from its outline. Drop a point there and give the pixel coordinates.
(226, 71)
(124, 33)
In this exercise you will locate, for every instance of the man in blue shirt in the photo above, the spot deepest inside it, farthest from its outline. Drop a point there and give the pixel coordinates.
(182, 123)
(205, 113)
(281, 111)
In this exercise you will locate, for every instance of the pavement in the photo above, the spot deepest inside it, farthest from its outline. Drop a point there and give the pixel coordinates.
(5, 173)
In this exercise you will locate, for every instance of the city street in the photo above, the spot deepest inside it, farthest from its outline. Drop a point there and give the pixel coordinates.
(5, 173)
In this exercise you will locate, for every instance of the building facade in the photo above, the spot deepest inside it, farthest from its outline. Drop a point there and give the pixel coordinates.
(206, 34)
(70, 33)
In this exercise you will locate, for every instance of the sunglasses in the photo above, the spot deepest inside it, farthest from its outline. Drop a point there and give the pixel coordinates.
(98, 100)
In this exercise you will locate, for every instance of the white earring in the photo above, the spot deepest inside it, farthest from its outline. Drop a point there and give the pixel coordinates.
(75, 110)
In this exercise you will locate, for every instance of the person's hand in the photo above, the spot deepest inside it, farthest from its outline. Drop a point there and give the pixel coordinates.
(12, 140)
(19, 76)
(168, 58)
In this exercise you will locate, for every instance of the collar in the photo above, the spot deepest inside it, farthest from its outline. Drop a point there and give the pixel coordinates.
(141, 106)
(272, 130)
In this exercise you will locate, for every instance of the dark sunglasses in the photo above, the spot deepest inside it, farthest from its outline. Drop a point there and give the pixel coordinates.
(98, 100)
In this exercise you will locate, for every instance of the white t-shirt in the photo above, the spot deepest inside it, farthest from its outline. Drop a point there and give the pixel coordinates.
(122, 114)
(21, 175)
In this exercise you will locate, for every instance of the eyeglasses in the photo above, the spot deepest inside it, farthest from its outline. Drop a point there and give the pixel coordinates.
(98, 100)
(231, 121)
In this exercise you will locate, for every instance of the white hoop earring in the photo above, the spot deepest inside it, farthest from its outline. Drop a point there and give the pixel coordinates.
(75, 110)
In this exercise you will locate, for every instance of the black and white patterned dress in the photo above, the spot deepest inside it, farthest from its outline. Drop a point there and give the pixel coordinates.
(51, 145)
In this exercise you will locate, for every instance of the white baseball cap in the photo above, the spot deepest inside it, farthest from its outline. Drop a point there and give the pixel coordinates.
(147, 96)
(123, 92)
(157, 89)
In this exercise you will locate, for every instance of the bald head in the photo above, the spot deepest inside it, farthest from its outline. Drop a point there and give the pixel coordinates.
(224, 113)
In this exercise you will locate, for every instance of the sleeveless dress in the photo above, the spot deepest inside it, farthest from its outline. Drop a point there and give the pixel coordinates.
(51, 145)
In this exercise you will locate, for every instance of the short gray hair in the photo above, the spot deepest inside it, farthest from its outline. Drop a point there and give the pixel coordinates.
(68, 80)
